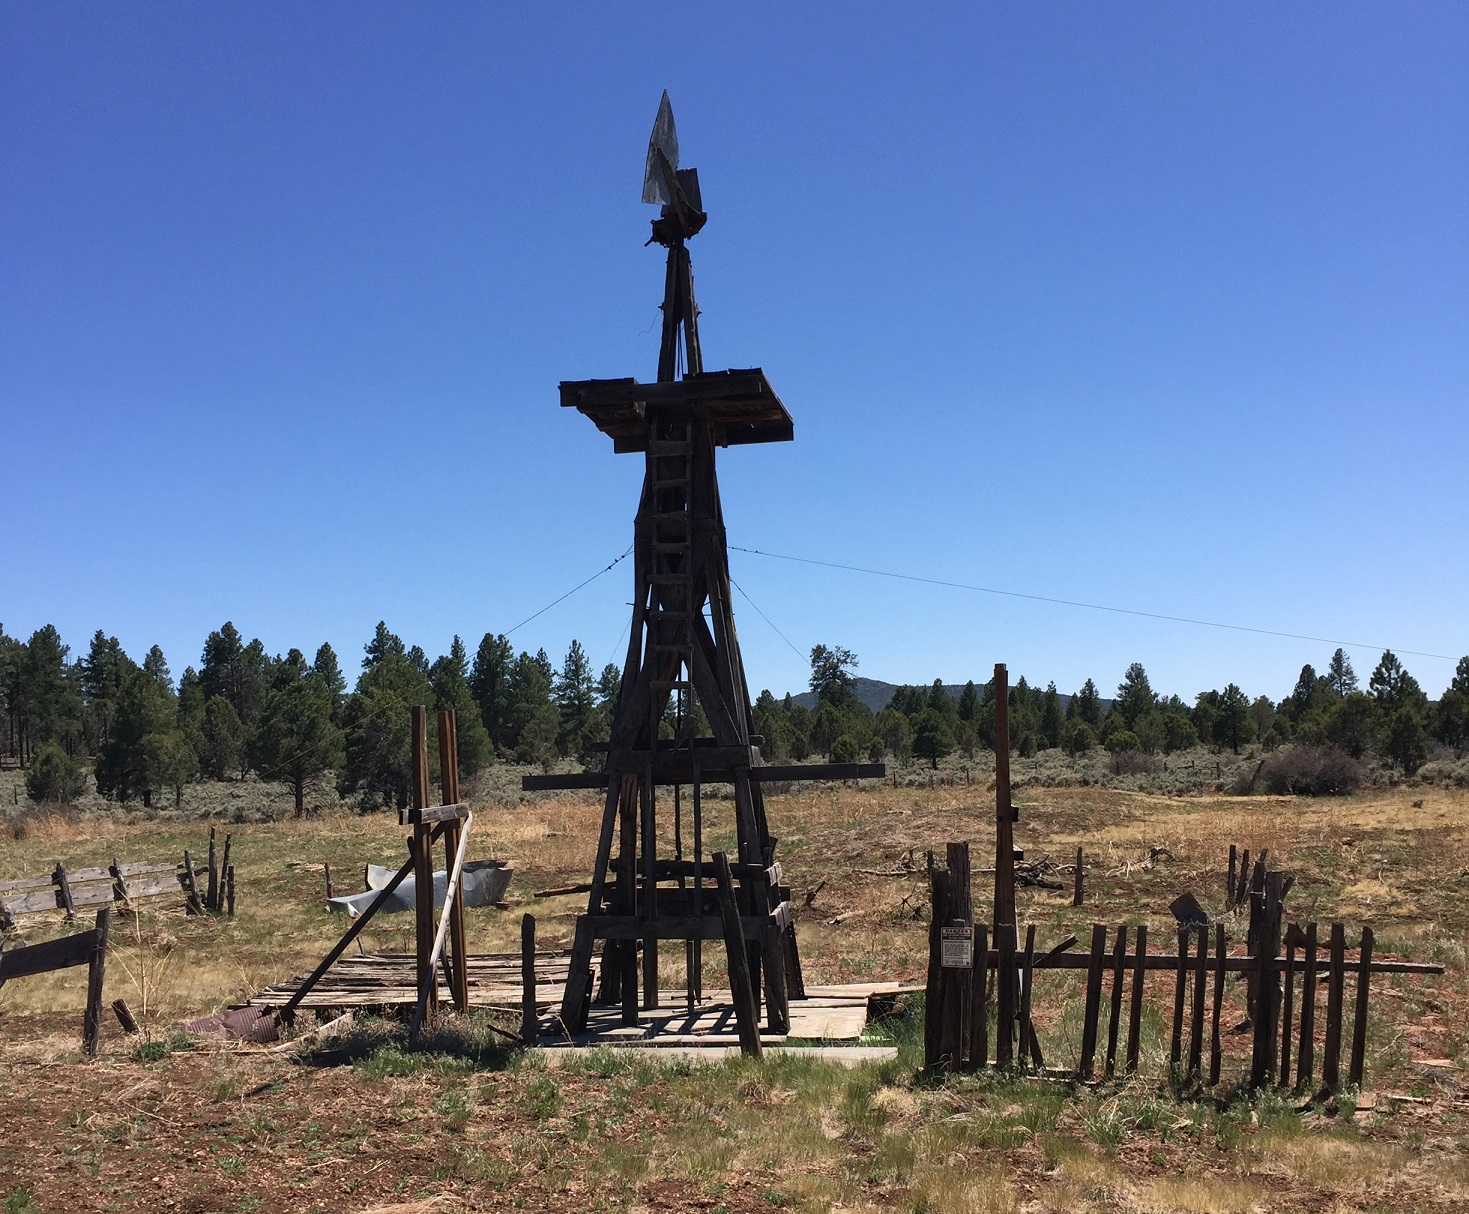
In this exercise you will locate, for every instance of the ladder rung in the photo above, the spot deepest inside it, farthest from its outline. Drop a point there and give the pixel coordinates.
(663, 516)
(667, 446)
(686, 647)
(671, 546)
(675, 482)
(671, 579)
(671, 684)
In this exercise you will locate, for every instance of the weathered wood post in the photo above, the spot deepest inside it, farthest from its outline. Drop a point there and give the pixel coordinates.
(96, 971)
(1359, 1026)
(423, 867)
(743, 992)
(458, 948)
(1078, 892)
(1335, 981)
(1003, 926)
(530, 1021)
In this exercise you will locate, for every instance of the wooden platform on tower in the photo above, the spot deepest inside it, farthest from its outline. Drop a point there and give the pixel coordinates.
(682, 717)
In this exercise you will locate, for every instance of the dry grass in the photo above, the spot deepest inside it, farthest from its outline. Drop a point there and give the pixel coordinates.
(793, 1135)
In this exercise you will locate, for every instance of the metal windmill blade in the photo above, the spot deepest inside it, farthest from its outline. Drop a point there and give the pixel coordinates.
(663, 139)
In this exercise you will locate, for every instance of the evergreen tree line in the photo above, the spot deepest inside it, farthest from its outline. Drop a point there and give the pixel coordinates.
(284, 718)
(287, 719)
(1392, 719)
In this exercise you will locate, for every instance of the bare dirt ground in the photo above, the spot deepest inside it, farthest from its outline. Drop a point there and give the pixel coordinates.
(362, 1123)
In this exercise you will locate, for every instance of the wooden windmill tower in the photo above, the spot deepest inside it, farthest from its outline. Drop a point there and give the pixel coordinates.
(683, 651)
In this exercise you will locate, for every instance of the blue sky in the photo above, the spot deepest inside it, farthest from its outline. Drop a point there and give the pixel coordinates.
(1156, 306)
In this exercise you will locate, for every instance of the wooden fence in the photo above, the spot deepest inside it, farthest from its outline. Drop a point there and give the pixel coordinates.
(83, 948)
(964, 954)
(71, 890)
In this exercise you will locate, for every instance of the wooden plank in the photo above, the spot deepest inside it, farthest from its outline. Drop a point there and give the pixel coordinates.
(1305, 1055)
(1078, 892)
(739, 975)
(195, 903)
(1006, 996)
(979, 998)
(1216, 1048)
(1004, 909)
(1114, 1019)
(1093, 1000)
(955, 983)
(1359, 1026)
(1229, 879)
(1135, 1011)
(452, 813)
(347, 937)
(1180, 988)
(933, 999)
(45, 957)
(1287, 1007)
(96, 972)
(211, 889)
(1336, 975)
(1028, 1040)
(1196, 1019)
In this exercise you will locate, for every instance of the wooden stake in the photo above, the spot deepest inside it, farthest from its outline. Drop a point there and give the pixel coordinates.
(1135, 1012)
(1306, 1054)
(224, 867)
(59, 877)
(1180, 989)
(124, 1016)
(1004, 812)
(327, 870)
(229, 884)
(979, 998)
(458, 949)
(193, 905)
(1005, 996)
(1216, 1049)
(1028, 1042)
(530, 1021)
(423, 868)
(211, 888)
(1196, 1018)
(1077, 890)
(96, 971)
(1287, 1007)
(1114, 1019)
(1229, 880)
(1093, 1000)
(1359, 1027)
(1335, 981)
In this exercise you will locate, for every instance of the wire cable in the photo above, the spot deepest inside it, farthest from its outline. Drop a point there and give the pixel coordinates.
(765, 617)
(1041, 598)
(573, 590)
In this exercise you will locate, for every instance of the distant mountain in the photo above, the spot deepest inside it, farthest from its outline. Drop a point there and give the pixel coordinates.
(877, 695)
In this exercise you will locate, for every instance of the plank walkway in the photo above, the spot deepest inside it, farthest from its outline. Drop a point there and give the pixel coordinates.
(829, 1014)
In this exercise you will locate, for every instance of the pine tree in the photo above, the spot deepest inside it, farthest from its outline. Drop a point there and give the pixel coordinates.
(293, 735)
(50, 701)
(1340, 675)
(325, 665)
(489, 682)
(969, 702)
(221, 739)
(1232, 723)
(831, 675)
(934, 737)
(1135, 695)
(1089, 704)
(101, 672)
(450, 678)
(1051, 718)
(145, 710)
(575, 695)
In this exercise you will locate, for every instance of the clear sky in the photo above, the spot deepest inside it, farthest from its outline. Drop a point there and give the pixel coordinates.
(1157, 306)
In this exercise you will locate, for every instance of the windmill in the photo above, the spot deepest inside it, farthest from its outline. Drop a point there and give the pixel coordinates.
(683, 667)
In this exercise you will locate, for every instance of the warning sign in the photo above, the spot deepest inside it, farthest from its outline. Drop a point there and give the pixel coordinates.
(956, 951)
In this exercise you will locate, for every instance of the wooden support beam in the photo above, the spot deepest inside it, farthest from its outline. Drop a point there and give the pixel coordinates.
(423, 866)
(746, 1013)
